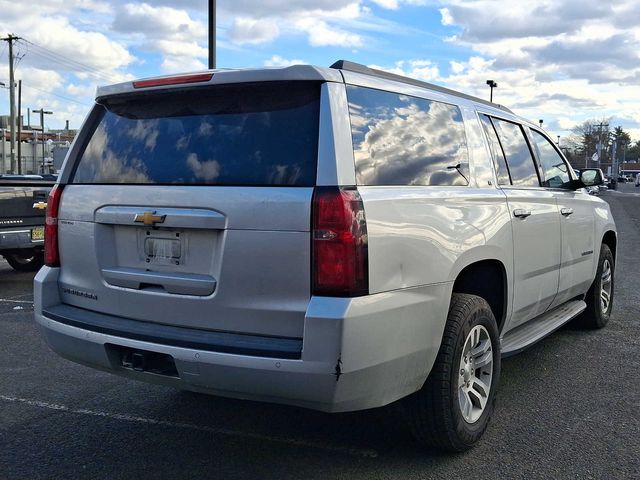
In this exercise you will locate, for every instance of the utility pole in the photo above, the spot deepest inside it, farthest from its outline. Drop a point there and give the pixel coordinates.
(614, 160)
(212, 34)
(599, 144)
(12, 99)
(19, 127)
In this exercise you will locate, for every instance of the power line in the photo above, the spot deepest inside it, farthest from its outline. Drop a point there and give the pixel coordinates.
(59, 55)
(57, 95)
(72, 67)
(46, 53)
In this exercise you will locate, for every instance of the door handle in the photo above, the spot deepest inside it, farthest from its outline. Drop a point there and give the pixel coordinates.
(521, 213)
(566, 211)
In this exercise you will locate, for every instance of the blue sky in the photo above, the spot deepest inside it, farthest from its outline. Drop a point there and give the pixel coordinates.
(564, 61)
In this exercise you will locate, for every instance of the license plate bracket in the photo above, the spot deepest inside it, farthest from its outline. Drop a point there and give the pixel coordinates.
(163, 248)
(37, 234)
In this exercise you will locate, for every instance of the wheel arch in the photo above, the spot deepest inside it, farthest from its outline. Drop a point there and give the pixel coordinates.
(610, 239)
(487, 279)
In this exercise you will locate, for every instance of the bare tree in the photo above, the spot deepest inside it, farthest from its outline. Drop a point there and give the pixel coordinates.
(587, 139)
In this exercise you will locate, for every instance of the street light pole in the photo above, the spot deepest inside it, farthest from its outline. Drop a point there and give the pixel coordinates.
(3, 141)
(42, 113)
(492, 85)
(19, 127)
(212, 34)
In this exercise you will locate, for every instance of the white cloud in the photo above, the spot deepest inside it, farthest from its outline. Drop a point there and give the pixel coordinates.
(282, 8)
(79, 90)
(278, 61)
(322, 35)
(447, 18)
(177, 64)
(563, 61)
(249, 31)
(579, 38)
(170, 31)
(157, 22)
(420, 69)
(324, 22)
(56, 35)
(389, 4)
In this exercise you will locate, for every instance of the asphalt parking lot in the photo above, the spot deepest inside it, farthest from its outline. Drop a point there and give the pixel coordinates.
(567, 408)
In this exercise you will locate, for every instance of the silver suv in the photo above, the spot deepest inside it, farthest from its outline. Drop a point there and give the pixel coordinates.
(333, 238)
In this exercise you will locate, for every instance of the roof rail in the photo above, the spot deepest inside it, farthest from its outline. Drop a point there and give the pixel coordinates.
(359, 68)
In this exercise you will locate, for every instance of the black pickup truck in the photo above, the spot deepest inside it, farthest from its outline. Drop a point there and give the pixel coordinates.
(23, 200)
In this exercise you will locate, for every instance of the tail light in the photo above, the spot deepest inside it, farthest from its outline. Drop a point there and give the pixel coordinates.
(173, 80)
(339, 243)
(51, 253)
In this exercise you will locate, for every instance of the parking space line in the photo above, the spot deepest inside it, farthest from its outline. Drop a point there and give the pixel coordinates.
(353, 451)
(7, 300)
(16, 297)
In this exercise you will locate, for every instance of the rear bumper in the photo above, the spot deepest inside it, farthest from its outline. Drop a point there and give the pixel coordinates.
(356, 353)
(18, 238)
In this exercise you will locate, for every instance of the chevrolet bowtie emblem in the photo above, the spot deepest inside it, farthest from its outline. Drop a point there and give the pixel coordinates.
(149, 218)
(40, 205)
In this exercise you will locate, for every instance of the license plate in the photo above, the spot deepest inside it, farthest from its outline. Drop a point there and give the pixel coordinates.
(37, 233)
(162, 248)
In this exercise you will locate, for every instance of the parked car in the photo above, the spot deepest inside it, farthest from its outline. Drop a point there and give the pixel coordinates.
(22, 203)
(334, 238)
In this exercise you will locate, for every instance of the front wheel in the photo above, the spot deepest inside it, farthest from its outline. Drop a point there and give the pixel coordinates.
(599, 298)
(453, 408)
(26, 262)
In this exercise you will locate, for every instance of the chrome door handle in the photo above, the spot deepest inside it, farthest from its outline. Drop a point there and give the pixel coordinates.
(521, 213)
(566, 211)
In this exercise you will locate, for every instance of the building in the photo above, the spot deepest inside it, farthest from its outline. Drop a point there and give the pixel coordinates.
(33, 144)
(629, 168)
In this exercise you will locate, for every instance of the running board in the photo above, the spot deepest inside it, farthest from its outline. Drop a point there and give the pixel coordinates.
(535, 330)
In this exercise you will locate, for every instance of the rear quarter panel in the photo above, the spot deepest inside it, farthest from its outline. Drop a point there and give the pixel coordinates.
(427, 235)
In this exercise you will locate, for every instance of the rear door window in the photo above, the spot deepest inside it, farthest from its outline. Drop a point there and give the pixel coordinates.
(516, 150)
(247, 134)
(404, 140)
(555, 170)
(500, 163)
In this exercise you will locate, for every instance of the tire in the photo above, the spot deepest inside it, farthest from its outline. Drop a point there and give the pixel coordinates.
(28, 262)
(435, 412)
(598, 310)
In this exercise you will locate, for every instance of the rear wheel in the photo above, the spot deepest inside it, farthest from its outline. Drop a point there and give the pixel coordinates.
(453, 408)
(25, 262)
(599, 298)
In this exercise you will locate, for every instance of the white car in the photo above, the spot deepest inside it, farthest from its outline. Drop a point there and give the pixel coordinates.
(333, 238)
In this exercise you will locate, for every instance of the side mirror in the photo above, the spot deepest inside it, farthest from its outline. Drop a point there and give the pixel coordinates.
(591, 177)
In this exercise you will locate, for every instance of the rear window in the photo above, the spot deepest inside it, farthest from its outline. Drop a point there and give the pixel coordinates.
(250, 134)
(404, 140)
